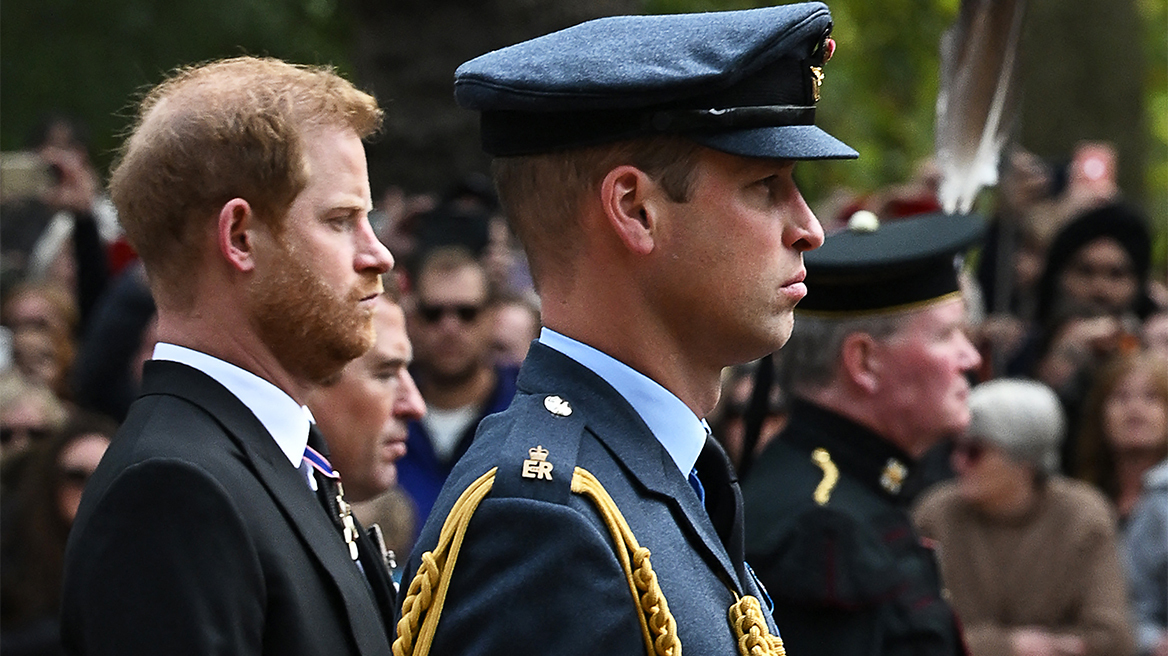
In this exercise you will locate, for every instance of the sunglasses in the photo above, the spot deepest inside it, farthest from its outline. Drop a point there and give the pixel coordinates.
(33, 433)
(971, 450)
(466, 313)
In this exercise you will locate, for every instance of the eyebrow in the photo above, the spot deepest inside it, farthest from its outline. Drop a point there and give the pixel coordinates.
(392, 362)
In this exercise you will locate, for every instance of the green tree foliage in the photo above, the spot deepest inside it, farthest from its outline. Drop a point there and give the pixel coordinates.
(90, 59)
(1155, 17)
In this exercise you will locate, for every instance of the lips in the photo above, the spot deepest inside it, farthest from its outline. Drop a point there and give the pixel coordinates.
(371, 292)
(794, 289)
(393, 441)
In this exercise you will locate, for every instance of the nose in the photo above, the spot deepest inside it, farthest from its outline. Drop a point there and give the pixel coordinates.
(372, 255)
(409, 404)
(970, 357)
(803, 231)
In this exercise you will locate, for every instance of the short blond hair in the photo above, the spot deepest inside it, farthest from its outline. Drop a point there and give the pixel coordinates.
(542, 194)
(210, 133)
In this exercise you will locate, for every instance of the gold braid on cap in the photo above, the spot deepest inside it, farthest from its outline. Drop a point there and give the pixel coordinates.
(427, 592)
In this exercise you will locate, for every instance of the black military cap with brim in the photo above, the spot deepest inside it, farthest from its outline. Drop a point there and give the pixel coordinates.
(872, 268)
(742, 82)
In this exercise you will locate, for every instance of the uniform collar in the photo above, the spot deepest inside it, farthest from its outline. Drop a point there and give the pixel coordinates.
(674, 425)
(855, 449)
(285, 419)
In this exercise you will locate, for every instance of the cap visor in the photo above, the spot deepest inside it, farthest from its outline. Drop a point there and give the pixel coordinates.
(788, 142)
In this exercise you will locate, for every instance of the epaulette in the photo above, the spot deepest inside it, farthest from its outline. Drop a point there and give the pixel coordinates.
(538, 456)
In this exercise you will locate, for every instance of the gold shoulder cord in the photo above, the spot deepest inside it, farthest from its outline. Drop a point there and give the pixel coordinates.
(427, 591)
(822, 492)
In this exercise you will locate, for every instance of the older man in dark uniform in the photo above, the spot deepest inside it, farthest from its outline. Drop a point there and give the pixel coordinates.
(877, 364)
(646, 164)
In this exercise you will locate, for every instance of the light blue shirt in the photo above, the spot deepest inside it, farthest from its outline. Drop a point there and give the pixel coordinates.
(284, 418)
(674, 425)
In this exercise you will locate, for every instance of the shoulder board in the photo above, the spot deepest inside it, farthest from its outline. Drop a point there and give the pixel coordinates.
(539, 451)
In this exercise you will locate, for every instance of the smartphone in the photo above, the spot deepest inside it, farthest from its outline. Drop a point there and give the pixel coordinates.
(24, 174)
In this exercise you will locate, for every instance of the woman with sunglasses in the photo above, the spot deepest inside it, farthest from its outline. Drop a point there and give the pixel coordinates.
(35, 521)
(1029, 557)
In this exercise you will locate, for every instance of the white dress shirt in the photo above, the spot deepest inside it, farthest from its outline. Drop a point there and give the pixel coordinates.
(284, 418)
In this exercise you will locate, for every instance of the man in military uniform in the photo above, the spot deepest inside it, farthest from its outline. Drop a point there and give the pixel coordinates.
(877, 365)
(645, 162)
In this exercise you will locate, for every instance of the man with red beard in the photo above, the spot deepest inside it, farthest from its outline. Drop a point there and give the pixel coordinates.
(245, 191)
(877, 365)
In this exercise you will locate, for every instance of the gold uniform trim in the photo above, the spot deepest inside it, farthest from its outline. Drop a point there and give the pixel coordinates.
(830, 476)
(426, 594)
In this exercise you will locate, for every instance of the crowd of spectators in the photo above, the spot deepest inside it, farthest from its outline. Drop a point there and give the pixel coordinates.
(1074, 311)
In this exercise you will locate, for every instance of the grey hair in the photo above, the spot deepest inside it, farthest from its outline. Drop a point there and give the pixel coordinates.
(1023, 417)
(811, 356)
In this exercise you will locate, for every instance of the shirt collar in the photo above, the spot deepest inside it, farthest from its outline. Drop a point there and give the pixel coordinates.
(281, 415)
(674, 425)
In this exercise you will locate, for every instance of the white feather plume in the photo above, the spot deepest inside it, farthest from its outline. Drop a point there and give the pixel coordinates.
(976, 101)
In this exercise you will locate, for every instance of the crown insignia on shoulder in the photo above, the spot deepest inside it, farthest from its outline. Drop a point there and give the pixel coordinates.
(537, 465)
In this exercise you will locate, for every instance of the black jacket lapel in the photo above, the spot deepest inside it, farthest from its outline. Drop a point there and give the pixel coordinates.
(286, 484)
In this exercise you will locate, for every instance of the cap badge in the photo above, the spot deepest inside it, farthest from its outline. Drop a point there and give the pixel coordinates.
(892, 478)
(557, 406)
(537, 465)
(816, 81)
(826, 49)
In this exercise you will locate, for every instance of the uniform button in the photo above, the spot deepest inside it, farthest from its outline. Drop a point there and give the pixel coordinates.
(557, 406)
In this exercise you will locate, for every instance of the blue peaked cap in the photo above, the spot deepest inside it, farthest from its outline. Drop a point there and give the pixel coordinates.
(743, 82)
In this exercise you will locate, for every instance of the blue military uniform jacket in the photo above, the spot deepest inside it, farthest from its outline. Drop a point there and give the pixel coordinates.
(538, 573)
(849, 576)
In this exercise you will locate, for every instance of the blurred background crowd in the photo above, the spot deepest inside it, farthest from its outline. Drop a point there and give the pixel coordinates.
(1068, 299)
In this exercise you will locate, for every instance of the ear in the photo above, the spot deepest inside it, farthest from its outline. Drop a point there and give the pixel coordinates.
(624, 193)
(235, 235)
(860, 361)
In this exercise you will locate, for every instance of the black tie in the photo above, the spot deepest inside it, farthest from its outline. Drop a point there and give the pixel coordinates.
(723, 499)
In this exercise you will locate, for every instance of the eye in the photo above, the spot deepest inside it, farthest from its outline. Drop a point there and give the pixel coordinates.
(342, 222)
(770, 184)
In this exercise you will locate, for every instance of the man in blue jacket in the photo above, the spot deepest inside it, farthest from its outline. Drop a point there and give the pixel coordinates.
(645, 163)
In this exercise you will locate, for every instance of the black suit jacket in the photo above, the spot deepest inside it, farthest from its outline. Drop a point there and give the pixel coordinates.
(197, 536)
(537, 573)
